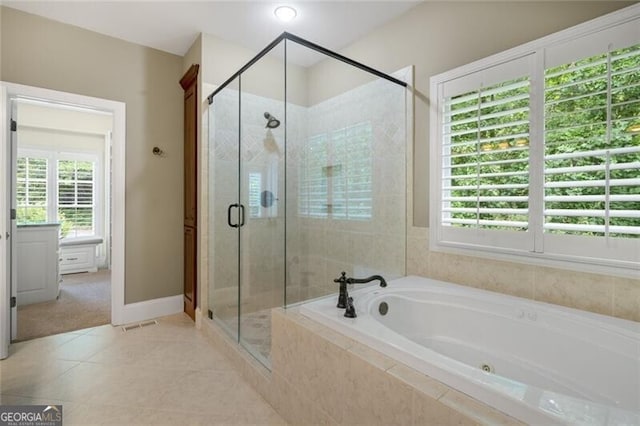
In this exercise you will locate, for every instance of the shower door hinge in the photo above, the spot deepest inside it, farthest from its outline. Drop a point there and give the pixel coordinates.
(14, 125)
(12, 302)
(210, 314)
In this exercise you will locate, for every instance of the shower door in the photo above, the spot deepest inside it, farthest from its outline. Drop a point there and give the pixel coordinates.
(262, 158)
(247, 224)
(224, 220)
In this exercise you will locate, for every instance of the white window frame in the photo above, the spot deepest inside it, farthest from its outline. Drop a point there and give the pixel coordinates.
(52, 183)
(45, 156)
(567, 251)
(98, 189)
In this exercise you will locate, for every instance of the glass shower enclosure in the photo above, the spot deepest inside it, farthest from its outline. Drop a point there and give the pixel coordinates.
(306, 179)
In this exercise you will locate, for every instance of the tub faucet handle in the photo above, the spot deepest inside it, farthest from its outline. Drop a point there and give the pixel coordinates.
(343, 278)
(350, 312)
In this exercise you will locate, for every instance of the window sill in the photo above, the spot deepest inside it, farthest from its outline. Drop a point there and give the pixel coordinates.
(538, 259)
(79, 241)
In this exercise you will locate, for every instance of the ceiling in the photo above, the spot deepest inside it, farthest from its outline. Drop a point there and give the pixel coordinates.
(172, 26)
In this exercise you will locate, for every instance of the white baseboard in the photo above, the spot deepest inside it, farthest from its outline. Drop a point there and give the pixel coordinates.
(150, 309)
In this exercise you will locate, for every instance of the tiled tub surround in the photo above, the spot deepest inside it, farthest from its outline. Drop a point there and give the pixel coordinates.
(602, 294)
(320, 376)
(549, 364)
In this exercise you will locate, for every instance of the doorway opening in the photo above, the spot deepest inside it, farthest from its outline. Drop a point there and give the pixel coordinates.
(65, 174)
(61, 184)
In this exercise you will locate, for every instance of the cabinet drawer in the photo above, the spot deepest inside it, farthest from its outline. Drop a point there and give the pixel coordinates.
(77, 259)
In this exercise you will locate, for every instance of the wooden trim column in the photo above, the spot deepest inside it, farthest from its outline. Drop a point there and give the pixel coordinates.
(189, 83)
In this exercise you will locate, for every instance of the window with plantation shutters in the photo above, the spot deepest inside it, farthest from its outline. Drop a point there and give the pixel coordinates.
(592, 153)
(536, 151)
(59, 187)
(255, 184)
(76, 197)
(31, 190)
(336, 174)
(352, 186)
(486, 157)
(314, 183)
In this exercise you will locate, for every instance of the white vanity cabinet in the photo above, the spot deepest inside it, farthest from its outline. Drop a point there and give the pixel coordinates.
(38, 274)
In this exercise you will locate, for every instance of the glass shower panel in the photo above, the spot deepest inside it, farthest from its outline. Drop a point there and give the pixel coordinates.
(262, 167)
(307, 178)
(224, 209)
(346, 174)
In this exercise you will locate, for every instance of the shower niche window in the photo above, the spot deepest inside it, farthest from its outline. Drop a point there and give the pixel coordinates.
(307, 178)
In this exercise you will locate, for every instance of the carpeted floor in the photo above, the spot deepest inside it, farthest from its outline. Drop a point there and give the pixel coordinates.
(85, 301)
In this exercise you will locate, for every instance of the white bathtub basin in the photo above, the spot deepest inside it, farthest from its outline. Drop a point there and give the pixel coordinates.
(548, 364)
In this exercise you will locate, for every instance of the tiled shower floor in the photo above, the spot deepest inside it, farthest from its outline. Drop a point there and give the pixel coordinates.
(255, 329)
(255, 333)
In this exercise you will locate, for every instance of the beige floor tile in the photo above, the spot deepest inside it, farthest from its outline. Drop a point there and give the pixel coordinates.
(80, 382)
(223, 393)
(143, 389)
(90, 414)
(21, 400)
(168, 373)
(197, 355)
(39, 348)
(23, 377)
(105, 330)
(82, 348)
(125, 351)
(176, 417)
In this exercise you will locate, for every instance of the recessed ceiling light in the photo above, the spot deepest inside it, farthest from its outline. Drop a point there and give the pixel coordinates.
(285, 13)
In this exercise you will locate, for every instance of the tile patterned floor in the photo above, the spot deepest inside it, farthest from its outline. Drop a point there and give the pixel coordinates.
(255, 329)
(166, 374)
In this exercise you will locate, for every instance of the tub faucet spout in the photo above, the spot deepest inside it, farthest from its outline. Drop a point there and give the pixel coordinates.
(383, 282)
(343, 281)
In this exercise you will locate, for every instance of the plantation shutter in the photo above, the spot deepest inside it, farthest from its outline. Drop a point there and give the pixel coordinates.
(485, 156)
(313, 188)
(255, 186)
(76, 200)
(352, 176)
(31, 190)
(592, 153)
(337, 174)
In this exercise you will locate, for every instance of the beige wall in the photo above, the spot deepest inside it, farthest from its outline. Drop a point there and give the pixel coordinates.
(43, 53)
(221, 59)
(438, 36)
(63, 119)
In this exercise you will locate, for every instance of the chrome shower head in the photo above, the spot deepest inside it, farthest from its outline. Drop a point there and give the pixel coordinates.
(272, 122)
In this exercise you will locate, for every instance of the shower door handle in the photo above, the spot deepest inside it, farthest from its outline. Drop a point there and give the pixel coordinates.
(241, 215)
(229, 215)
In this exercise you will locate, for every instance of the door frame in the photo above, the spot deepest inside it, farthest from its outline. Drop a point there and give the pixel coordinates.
(10, 91)
(5, 226)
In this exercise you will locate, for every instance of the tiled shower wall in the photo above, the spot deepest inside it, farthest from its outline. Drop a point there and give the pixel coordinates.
(318, 249)
(603, 294)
